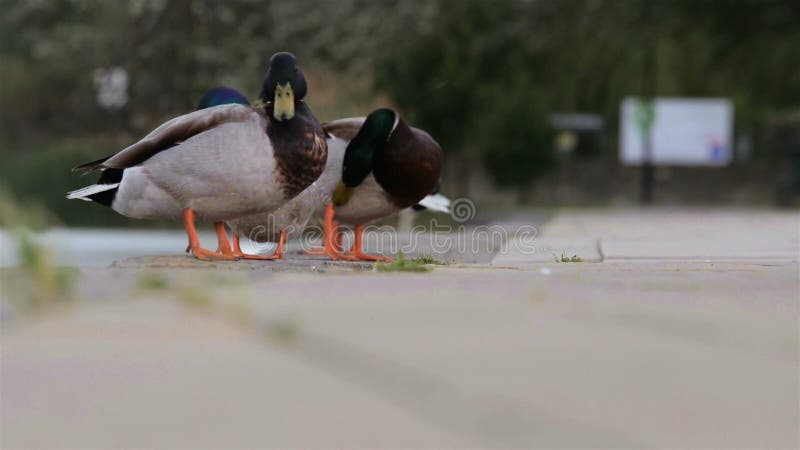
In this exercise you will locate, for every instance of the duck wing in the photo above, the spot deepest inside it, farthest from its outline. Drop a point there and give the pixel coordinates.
(344, 128)
(169, 134)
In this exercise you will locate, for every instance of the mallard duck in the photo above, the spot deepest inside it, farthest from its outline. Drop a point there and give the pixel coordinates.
(376, 166)
(218, 163)
(388, 166)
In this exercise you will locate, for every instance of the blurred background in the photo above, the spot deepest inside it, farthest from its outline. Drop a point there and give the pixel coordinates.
(525, 96)
(659, 137)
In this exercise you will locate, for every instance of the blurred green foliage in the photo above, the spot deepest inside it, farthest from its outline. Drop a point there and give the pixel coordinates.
(480, 75)
(16, 215)
(39, 179)
(36, 285)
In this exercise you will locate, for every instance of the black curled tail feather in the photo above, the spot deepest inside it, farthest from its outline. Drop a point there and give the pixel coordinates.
(90, 166)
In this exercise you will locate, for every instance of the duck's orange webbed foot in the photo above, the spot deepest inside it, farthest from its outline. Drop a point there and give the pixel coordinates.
(357, 252)
(194, 241)
(207, 255)
(361, 256)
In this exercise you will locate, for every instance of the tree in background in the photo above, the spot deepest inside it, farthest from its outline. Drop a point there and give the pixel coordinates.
(514, 139)
(471, 80)
(481, 76)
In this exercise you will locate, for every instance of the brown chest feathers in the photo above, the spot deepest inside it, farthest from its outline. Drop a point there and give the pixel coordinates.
(300, 151)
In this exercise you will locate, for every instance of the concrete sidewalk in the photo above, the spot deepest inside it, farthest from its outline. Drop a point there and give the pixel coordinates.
(666, 235)
(653, 348)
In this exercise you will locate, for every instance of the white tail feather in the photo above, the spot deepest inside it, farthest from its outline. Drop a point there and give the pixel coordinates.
(436, 202)
(83, 193)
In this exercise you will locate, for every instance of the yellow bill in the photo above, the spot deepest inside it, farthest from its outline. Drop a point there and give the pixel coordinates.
(284, 102)
(341, 195)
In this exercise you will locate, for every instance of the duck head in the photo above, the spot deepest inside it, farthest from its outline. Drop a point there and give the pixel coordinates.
(361, 152)
(284, 85)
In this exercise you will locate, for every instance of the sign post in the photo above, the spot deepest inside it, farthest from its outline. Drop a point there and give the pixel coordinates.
(644, 115)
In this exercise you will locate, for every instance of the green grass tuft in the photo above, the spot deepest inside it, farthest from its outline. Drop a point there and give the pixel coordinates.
(567, 259)
(401, 264)
(428, 259)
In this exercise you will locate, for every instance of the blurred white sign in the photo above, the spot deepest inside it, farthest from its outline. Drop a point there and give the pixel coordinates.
(112, 87)
(685, 132)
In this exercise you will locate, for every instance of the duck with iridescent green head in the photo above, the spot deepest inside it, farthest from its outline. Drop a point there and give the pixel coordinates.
(377, 165)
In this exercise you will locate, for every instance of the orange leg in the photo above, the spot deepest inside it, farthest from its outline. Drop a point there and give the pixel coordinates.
(236, 244)
(281, 242)
(358, 248)
(194, 241)
(223, 245)
(237, 249)
(332, 237)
